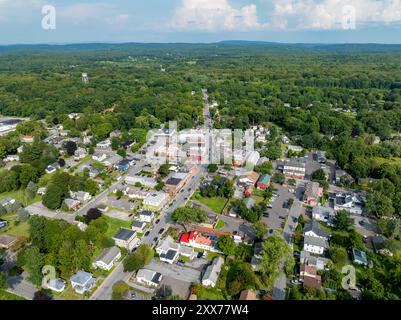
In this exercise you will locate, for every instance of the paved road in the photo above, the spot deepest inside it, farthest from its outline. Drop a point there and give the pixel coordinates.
(105, 290)
(20, 286)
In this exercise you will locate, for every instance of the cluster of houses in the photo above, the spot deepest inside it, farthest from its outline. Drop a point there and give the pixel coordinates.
(77, 199)
(249, 180)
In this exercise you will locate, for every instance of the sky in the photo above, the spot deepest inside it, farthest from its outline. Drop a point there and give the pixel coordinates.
(194, 21)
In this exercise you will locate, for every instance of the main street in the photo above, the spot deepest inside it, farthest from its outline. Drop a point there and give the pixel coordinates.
(104, 291)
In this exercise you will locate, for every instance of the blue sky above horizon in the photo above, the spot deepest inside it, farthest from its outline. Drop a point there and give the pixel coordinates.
(295, 21)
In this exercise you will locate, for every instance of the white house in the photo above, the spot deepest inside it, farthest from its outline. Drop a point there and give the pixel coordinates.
(99, 156)
(146, 216)
(144, 181)
(79, 154)
(148, 277)
(52, 167)
(168, 250)
(212, 272)
(11, 158)
(138, 226)
(82, 282)
(315, 245)
(107, 258)
(323, 214)
(155, 201)
(81, 196)
(104, 144)
(57, 285)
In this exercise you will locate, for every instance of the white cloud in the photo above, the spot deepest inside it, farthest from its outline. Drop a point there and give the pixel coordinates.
(328, 14)
(214, 15)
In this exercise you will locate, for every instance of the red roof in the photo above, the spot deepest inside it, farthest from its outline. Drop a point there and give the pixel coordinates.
(187, 237)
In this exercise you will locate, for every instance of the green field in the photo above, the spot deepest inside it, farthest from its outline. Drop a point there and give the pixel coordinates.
(19, 196)
(115, 224)
(15, 227)
(216, 204)
(5, 295)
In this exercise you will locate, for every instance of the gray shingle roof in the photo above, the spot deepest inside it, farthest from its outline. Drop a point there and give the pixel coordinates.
(108, 255)
(314, 241)
(124, 234)
(315, 227)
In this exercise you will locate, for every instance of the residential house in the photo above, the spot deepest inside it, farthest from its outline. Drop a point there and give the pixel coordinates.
(248, 179)
(138, 226)
(104, 144)
(7, 202)
(312, 228)
(11, 158)
(126, 238)
(143, 181)
(197, 240)
(146, 216)
(155, 201)
(82, 282)
(209, 278)
(107, 259)
(148, 277)
(264, 182)
(343, 176)
(99, 156)
(81, 196)
(248, 295)
(310, 277)
(347, 201)
(323, 214)
(113, 160)
(315, 239)
(135, 193)
(52, 167)
(27, 138)
(57, 285)
(115, 134)
(315, 245)
(312, 193)
(79, 154)
(295, 168)
(72, 204)
(359, 257)
(7, 241)
(93, 172)
(318, 262)
(168, 250)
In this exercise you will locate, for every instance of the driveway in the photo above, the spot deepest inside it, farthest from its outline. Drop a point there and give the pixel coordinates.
(39, 209)
(20, 286)
(367, 229)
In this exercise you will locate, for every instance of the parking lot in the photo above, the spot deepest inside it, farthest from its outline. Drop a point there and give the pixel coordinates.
(278, 215)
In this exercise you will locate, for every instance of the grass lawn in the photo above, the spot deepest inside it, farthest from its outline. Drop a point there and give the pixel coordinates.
(208, 293)
(69, 294)
(15, 228)
(5, 295)
(19, 196)
(115, 225)
(220, 224)
(216, 204)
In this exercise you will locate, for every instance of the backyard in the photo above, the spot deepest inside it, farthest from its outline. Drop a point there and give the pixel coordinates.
(216, 204)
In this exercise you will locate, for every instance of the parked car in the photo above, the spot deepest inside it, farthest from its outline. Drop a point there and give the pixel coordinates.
(133, 295)
(155, 239)
(362, 222)
(161, 231)
(200, 255)
(157, 221)
(147, 233)
(180, 262)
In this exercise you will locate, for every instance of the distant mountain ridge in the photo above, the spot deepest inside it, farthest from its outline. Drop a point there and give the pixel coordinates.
(239, 44)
